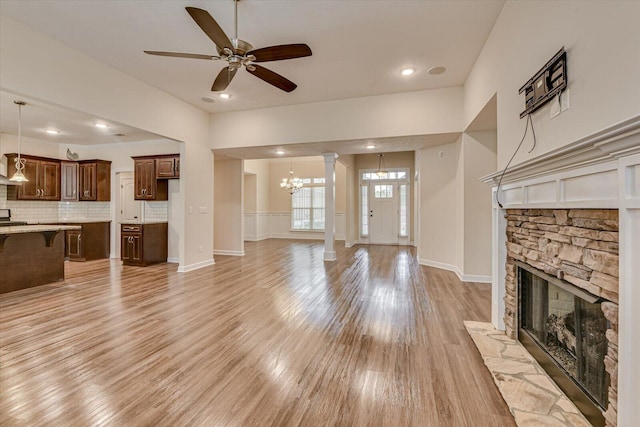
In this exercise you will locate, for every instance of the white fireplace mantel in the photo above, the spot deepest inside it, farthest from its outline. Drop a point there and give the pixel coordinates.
(599, 171)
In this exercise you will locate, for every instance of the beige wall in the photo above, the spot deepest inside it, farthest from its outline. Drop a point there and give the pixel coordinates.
(400, 114)
(401, 159)
(229, 216)
(260, 168)
(479, 159)
(303, 167)
(250, 193)
(438, 205)
(603, 64)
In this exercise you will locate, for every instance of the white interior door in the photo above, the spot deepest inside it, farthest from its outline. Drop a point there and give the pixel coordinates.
(383, 213)
(128, 208)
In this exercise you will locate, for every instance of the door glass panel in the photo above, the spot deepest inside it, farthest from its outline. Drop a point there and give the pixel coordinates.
(384, 191)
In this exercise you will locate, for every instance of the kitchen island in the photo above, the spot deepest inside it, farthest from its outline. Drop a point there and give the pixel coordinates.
(31, 255)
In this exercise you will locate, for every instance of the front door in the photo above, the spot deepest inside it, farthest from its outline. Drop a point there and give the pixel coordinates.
(383, 213)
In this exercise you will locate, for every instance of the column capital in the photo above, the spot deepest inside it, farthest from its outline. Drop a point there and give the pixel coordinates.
(330, 157)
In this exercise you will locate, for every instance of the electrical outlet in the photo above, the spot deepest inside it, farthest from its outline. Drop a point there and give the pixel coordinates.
(564, 100)
(203, 209)
(190, 209)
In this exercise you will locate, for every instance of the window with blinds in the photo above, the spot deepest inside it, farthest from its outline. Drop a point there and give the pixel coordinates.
(307, 209)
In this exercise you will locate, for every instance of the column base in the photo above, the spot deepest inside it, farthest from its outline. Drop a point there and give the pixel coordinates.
(330, 256)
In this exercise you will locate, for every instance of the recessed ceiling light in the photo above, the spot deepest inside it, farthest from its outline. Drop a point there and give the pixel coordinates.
(407, 71)
(101, 125)
(208, 99)
(225, 96)
(52, 131)
(280, 152)
(437, 70)
(370, 146)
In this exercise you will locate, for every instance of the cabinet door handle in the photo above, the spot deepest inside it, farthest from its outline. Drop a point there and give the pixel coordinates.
(79, 237)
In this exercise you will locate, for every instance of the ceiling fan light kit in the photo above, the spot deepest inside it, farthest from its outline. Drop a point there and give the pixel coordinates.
(239, 53)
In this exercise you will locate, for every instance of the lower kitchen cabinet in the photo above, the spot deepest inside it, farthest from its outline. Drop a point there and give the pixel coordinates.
(92, 242)
(143, 244)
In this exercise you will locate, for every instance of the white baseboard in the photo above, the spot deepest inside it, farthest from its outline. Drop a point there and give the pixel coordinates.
(474, 278)
(350, 244)
(450, 267)
(197, 265)
(173, 260)
(230, 253)
(256, 239)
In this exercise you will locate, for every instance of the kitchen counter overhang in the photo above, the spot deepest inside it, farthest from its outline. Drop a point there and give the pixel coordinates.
(31, 255)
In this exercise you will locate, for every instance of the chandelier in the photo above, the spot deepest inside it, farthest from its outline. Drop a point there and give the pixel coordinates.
(291, 184)
(19, 175)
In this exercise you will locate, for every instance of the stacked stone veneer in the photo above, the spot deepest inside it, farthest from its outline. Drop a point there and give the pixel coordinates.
(579, 246)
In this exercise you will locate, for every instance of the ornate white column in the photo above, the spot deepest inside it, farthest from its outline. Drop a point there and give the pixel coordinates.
(330, 206)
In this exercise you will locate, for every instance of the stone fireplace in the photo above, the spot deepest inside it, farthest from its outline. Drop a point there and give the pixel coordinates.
(562, 297)
(572, 217)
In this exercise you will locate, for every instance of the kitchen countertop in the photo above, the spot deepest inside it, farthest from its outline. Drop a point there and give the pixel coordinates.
(38, 228)
(143, 222)
(70, 221)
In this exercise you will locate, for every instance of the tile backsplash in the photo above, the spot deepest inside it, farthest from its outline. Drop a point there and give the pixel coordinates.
(3, 196)
(47, 211)
(155, 211)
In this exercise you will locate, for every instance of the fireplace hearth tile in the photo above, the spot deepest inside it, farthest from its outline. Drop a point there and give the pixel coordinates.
(533, 398)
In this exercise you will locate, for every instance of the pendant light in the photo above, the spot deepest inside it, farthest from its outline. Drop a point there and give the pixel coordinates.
(291, 185)
(19, 175)
(382, 173)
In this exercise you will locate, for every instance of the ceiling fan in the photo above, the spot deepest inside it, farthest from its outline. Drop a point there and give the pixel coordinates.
(239, 53)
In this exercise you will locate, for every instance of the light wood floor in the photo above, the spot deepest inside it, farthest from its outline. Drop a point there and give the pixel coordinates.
(277, 337)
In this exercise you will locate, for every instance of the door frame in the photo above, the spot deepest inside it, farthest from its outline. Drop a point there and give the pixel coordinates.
(364, 238)
(118, 192)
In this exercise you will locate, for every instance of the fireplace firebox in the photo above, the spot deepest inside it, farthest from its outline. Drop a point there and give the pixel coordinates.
(564, 328)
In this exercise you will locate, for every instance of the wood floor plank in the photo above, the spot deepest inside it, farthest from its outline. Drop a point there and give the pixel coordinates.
(275, 338)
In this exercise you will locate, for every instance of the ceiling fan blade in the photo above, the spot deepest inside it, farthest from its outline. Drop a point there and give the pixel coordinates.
(180, 54)
(210, 27)
(223, 79)
(278, 53)
(272, 78)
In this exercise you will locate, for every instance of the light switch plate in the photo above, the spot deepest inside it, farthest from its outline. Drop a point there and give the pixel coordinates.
(554, 108)
(564, 100)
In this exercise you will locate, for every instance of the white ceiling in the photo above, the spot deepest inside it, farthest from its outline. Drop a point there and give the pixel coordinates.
(359, 46)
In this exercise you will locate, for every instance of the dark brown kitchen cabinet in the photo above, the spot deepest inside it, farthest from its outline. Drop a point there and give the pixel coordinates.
(89, 243)
(147, 186)
(94, 180)
(143, 244)
(168, 166)
(69, 181)
(43, 175)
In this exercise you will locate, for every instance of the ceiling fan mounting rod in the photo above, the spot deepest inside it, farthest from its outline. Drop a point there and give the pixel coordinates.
(235, 18)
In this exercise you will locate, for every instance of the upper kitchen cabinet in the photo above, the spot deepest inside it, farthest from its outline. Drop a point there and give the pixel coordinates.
(147, 185)
(43, 175)
(94, 180)
(168, 167)
(69, 181)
